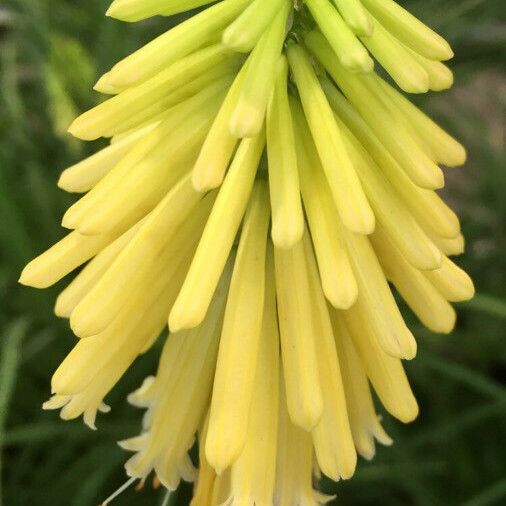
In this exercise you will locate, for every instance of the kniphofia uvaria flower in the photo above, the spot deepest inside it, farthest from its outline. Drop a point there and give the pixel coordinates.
(262, 191)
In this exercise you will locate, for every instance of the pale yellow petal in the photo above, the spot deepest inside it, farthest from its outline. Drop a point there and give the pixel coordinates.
(425, 205)
(298, 333)
(426, 302)
(351, 53)
(356, 16)
(171, 431)
(219, 145)
(451, 281)
(146, 308)
(245, 31)
(248, 116)
(332, 437)
(143, 177)
(63, 257)
(390, 211)
(445, 148)
(104, 119)
(385, 372)
(89, 276)
(375, 299)
(344, 183)
(364, 422)
(397, 60)
(99, 307)
(84, 175)
(409, 29)
(135, 10)
(294, 462)
(401, 145)
(338, 281)
(217, 239)
(234, 382)
(173, 45)
(287, 215)
(253, 474)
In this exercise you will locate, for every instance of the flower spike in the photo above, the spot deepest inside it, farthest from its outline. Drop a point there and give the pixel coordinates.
(264, 196)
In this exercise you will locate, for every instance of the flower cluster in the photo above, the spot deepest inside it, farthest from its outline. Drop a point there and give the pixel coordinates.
(262, 190)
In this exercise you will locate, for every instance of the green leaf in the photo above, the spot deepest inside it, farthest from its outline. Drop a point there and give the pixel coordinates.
(9, 362)
(491, 495)
(488, 304)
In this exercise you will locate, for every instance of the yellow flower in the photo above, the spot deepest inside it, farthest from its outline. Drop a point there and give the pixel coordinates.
(262, 190)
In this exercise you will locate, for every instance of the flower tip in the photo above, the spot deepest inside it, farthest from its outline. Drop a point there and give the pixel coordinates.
(61, 181)
(393, 348)
(410, 412)
(246, 121)
(287, 237)
(367, 28)
(59, 381)
(203, 184)
(103, 85)
(457, 156)
(114, 10)
(469, 290)
(362, 26)
(133, 444)
(61, 309)
(384, 438)
(179, 319)
(363, 225)
(235, 41)
(408, 348)
(432, 178)
(79, 129)
(72, 217)
(434, 258)
(24, 277)
(91, 225)
(83, 326)
(446, 327)
(445, 83)
(79, 331)
(30, 277)
(90, 424)
(66, 183)
(219, 454)
(367, 450)
(461, 155)
(416, 85)
(123, 444)
(341, 296)
(349, 465)
(307, 417)
(122, 11)
(218, 469)
(68, 222)
(445, 51)
(409, 354)
(73, 129)
(357, 61)
(173, 323)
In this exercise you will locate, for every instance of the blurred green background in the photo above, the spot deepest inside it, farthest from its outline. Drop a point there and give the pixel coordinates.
(52, 51)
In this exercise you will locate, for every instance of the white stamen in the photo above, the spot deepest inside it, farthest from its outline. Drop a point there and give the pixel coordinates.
(118, 492)
(166, 499)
